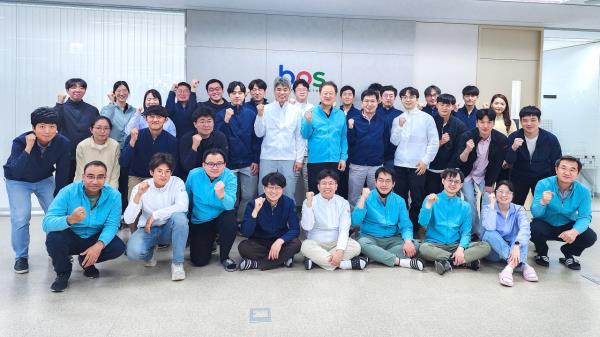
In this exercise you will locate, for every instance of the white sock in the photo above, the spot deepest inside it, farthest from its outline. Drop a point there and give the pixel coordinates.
(409, 263)
(405, 263)
(346, 264)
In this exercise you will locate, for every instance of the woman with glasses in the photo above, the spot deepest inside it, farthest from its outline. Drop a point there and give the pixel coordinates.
(506, 229)
(99, 147)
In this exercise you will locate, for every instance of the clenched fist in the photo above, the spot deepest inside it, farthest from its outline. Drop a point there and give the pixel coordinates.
(351, 123)
(143, 188)
(546, 197)
(517, 144)
(401, 121)
(196, 141)
(134, 136)
(76, 216)
(228, 114)
(308, 116)
(470, 145)
(220, 190)
(445, 138)
(61, 98)
(309, 199)
(29, 142)
(260, 110)
(111, 97)
(195, 84)
(431, 199)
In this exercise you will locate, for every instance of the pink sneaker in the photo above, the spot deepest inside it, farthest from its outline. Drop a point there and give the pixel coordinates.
(529, 273)
(506, 277)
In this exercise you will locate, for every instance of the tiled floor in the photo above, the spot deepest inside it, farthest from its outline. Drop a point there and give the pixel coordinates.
(130, 300)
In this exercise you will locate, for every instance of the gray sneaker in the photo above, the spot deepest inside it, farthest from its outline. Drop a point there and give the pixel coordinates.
(177, 272)
(152, 261)
(442, 266)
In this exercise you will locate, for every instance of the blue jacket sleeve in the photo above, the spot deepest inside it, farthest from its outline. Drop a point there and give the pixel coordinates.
(425, 214)
(230, 192)
(55, 219)
(170, 105)
(584, 213)
(344, 149)
(249, 223)
(404, 224)
(293, 224)
(113, 220)
(465, 228)
(18, 158)
(306, 128)
(187, 156)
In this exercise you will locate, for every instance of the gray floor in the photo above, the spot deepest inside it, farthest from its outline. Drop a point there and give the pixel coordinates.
(130, 300)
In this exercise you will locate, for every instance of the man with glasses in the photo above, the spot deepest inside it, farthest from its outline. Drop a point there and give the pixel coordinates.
(366, 142)
(386, 234)
(324, 127)
(83, 220)
(447, 220)
(34, 157)
(416, 139)
(326, 218)
(562, 211)
(215, 102)
(386, 109)
(257, 100)
(282, 146)
(181, 103)
(431, 94)
(163, 203)
(212, 191)
(271, 226)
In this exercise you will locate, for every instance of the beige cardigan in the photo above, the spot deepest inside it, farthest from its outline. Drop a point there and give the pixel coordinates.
(499, 126)
(108, 153)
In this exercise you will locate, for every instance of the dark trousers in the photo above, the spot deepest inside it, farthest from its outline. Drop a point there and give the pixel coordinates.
(542, 231)
(522, 187)
(123, 182)
(315, 168)
(433, 182)
(258, 249)
(202, 237)
(61, 245)
(408, 181)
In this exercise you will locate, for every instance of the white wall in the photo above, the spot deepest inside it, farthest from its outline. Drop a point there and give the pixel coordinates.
(573, 75)
(445, 55)
(42, 46)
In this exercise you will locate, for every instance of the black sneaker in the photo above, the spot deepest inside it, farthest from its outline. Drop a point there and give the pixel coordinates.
(570, 263)
(21, 265)
(60, 283)
(229, 265)
(289, 262)
(416, 263)
(473, 265)
(247, 264)
(542, 260)
(163, 245)
(89, 272)
(442, 266)
(308, 264)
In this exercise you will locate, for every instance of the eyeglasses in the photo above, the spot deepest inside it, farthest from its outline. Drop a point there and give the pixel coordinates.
(273, 188)
(215, 165)
(504, 192)
(408, 97)
(327, 183)
(453, 181)
(93, 177)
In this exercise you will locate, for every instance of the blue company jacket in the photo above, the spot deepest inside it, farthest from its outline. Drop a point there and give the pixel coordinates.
(379, 220)
(206, 206)
(448, 221)
(327, 136)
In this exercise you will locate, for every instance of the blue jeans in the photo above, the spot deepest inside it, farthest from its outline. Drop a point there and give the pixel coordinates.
(501, 248)
(19, 200)
(470, 193)
(141, 244)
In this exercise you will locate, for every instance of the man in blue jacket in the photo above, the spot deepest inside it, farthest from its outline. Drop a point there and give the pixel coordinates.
(237, 123)
(562, 211)
(387, 97)
(257, 101)
(532, 153)
(271, 226)
(75, 117)
(83, 221)
(33, 158)
(180, 110)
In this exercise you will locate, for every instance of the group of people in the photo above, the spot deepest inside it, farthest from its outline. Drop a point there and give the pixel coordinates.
(399, 187)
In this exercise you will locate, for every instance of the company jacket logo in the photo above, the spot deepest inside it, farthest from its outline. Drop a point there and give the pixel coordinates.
(316, 78)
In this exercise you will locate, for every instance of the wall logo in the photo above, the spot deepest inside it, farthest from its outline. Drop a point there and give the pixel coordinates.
(316, 78)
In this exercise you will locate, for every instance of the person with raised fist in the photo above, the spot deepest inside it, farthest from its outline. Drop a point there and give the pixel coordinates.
(83, 220)
(212, 191)
(271, 228)
(237, 123)
(138, 121)
(531, 153)
(387, 97)
(432, 93)
(386, 234)
(562, 211)
(74, 116)
(447, 221)
(347, 94)
(283, 147)
(181, 103)
(326, 218)
(34, 157)
(257, 100)
(193, 144)
(325, 129)
(163, 203)
(215, 102)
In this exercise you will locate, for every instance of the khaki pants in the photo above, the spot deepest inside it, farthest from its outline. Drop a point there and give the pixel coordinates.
(320, 252)
(437, 251)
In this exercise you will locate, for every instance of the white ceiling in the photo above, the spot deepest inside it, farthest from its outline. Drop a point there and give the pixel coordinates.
(558, 14)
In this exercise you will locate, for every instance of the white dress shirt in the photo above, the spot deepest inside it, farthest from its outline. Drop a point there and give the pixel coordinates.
(280, 128)
(327, 220)
(417, 140)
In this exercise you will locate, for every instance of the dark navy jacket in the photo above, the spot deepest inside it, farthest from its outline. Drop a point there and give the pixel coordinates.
(276, 222)
(35, 166)
(366, 140)
(182, 117)
(455, 128)
(74, 120)
(214, 108)
(430, 109)
(138, 157)
(541, 165)
(469, 121)
(244, 146)
(352, 112)
(252, 105)
(389, 114)
(495, 154)
(191, 159)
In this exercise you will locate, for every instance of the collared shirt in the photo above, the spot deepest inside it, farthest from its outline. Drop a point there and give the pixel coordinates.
(280, 128)
(417, 140)
(448, 221)
(327, 220)
(513, 227)
(383, 220)
(158, 202)
(481, 163)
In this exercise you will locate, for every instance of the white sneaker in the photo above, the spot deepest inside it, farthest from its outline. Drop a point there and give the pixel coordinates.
(177, 272)
(152, 261)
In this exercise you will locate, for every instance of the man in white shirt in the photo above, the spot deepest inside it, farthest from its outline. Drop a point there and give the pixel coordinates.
(163, 202)
(326, 217)
(301, 89)
(283, 146)
(415, 135)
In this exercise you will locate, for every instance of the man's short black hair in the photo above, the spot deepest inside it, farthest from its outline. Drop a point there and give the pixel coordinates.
(388, 88)
(202, 111)
(75, 81)
(347, 87)
(329, 83)
(530, 110)
(260, 84)
(453, 172)
(328, 174)
(385, 170)
(470, 90)
(212, 152)
(369, 92)
(571, 159)
(375, 86)
(274, 178)
(446, 99)
(160, 158)
(231, 87)
(213, 80)
(489, 113)
(45, 115)
(430, 90)
(185, 84)
(301, 82)
(409, 91)
(95, 163)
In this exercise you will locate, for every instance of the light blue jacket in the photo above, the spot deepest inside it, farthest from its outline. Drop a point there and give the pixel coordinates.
(327, 136)
(448, 221)
(577, 206)
(104, 218)
(379, 220)
(206, 206)
(515, 227)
